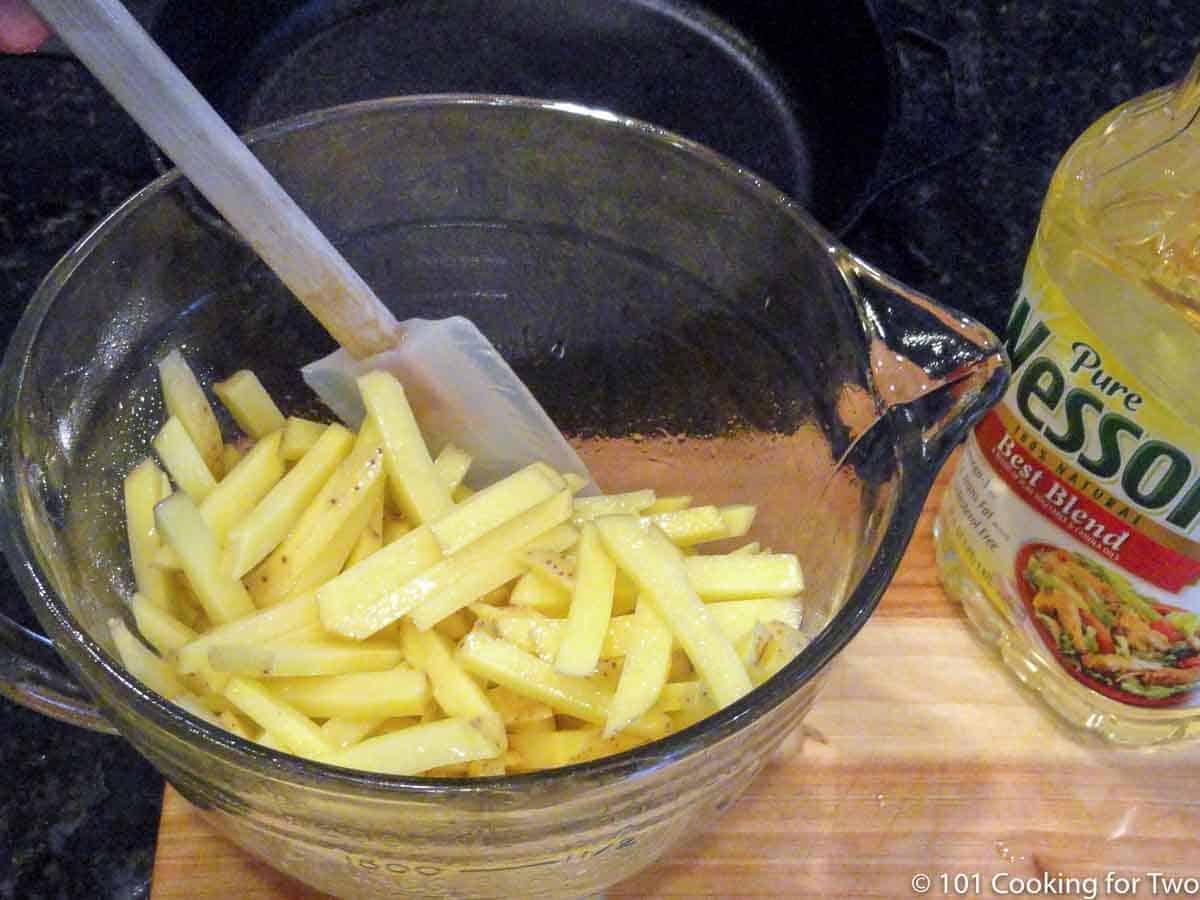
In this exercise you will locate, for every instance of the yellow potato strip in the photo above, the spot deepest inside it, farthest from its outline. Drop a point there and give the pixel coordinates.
(416, 489)
(141, 662)
(326, 531)
(272, 518)
(359, 602)
(452, 464)
(249, 404)
(258, 628)
(185, 400)
(243, 486)
(299, 435)
(307, 659)
(179, 522)
(165, 633)
(481, 566)
(493, 506)
(144, 487)
(456, 692)
(744, 576)
(525, 674)
(375, 696)
(591, 607)
(298, 733)
(418, 748)
(183, 460)
(658, 568)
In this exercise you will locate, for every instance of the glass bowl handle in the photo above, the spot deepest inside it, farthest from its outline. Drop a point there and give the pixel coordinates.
(27, 678)
(936, 368)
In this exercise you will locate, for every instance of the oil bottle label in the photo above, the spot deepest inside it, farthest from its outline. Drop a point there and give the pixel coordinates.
(1077, 510)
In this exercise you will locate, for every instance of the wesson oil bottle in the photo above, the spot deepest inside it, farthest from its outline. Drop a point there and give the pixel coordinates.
(1071, 530)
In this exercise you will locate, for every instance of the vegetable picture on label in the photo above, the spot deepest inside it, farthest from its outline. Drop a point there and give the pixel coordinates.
(1111, 638)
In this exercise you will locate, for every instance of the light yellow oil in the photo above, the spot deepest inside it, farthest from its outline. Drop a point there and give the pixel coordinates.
(1120, 236)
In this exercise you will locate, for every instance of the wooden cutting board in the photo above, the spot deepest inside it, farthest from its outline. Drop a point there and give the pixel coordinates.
(923, 758)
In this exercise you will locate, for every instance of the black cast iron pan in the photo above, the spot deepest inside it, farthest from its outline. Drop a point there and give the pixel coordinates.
(804, 93)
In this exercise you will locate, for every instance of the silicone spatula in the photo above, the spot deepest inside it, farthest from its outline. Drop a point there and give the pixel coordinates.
(459, 385)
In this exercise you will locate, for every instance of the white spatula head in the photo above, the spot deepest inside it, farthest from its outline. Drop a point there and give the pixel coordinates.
(461, 390)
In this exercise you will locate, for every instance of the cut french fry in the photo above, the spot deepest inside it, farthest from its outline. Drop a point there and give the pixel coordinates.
(602, 747)
(493, 506)
(452, 464)
(163, 631)
(769, 647)
(533, 591)
(738, 519)
(736, 617)
(456, 692)
(371, 538)
(249, 404)
(416, 488)
(630, 503)
(556, 540)
(236, 724)
(310, 659)
(694, 525)
(268, 523)
(141, 662)
(179, 522)
(258, 628)
(647, 664)
(481, 566)
(743, 576)
(591, 607)
(359, 602)
(487, 768)
(551, 565)
(144, 487)
(750, 548)
(419, 748)
(323, 536)
(398, 691)
(183, 461)
(457, 625)
(520, 713)
(668, 504)
(243, 486)
(656, 565)
(185, 401)
(342, 733)
(299, 435)
(298, 732)
(522, 673)
(550, 749)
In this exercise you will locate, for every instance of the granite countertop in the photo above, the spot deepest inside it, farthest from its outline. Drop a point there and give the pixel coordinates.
(78, 811)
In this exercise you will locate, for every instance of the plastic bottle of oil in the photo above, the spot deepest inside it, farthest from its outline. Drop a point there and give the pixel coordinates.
(1071, 530)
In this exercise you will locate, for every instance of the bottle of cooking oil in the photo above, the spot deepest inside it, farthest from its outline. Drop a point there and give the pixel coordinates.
(1071, 529)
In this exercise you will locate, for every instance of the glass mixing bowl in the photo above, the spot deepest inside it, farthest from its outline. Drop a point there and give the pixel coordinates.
(687, 325)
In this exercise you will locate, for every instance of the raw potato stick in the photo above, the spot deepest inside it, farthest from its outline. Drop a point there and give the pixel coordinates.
(144, 487)
(183, 460)
(416, 488)
(658, 568)
(591, 607)
(243, 486)
(644, 675)
(249, 404)
(224, 598)
(185, 400)
(418, 748)
(268, 523)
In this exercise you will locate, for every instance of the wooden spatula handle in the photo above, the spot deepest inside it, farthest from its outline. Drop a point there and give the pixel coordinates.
(118, 51)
